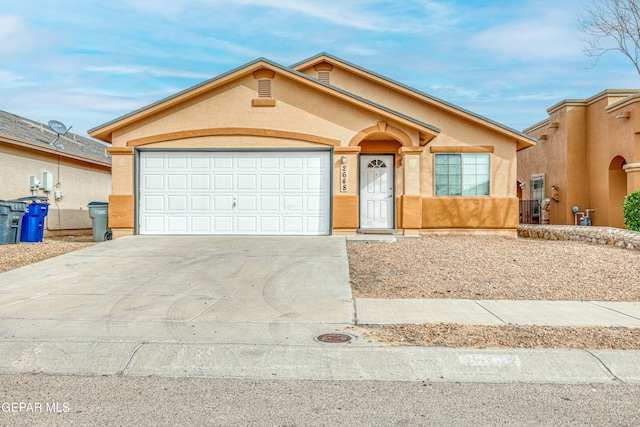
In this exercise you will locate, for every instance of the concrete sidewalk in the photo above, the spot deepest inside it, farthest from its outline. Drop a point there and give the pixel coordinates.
(498, 312)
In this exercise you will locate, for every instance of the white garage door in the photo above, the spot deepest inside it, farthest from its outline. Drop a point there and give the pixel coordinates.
(252, 193)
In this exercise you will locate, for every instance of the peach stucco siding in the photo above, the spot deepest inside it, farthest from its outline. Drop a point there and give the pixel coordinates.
(587, 150)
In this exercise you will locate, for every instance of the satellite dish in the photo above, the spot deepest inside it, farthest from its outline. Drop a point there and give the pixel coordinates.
(60, 129)
(57, 127)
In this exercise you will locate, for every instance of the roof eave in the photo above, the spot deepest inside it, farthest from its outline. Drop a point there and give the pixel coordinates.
(105, 131)
(51, 150)
(522, 138)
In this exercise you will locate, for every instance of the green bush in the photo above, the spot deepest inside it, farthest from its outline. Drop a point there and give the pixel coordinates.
(631, 207)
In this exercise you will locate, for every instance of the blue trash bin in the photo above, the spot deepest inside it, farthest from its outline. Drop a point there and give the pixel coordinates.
(33, 222)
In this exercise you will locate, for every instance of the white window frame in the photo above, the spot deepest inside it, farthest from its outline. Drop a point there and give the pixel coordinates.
(532, 190)
(462, 189)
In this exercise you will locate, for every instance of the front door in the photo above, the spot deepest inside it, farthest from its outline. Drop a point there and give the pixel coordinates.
(376, 191)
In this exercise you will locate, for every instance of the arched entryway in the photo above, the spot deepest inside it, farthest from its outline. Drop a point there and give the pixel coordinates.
(617, 191)
(399, 186)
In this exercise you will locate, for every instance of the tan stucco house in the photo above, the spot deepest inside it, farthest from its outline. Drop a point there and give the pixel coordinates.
(321, 147)
(70, 170)
(588, 155)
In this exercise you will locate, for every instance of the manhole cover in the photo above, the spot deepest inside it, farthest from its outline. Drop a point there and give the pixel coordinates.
(334, 338)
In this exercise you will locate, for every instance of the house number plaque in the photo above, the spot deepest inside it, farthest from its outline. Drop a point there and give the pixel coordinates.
(343, 179)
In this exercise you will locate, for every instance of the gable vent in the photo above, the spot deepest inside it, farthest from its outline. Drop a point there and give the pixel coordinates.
(323, 76)
(264, 88)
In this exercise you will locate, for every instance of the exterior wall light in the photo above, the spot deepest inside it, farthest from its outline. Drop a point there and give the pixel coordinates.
(344, 159)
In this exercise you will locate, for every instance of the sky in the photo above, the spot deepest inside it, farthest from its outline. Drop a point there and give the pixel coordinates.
(85, 63)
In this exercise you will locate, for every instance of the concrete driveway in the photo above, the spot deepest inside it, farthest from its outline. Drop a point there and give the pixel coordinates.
(94, 307)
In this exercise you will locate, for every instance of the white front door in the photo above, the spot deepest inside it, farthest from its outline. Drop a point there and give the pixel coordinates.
(245, 192)
(376, 191)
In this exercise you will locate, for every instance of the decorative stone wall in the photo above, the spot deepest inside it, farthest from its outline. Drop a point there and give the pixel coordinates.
(599, 235)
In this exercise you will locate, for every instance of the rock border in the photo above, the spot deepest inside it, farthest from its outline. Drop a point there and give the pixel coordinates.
(599, 235)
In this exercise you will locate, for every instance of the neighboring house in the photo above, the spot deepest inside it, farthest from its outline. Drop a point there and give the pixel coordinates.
(321, 147)
(588, 155)
(78, 168)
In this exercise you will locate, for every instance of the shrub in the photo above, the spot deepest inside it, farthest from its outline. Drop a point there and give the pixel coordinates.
(631, 208)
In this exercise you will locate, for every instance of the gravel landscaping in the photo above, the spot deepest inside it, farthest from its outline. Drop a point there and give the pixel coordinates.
(489, 267)
(510, 336)
(16, 256)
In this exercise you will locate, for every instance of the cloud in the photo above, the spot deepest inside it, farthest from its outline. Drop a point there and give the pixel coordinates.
(548, 34)
(17, 38)
(11, 79)
(139, 69)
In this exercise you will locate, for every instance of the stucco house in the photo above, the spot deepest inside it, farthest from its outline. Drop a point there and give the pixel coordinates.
(588, 155)
(320, 147)
(71, 172)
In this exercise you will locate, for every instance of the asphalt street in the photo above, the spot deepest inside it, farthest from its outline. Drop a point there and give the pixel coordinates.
(161, 401)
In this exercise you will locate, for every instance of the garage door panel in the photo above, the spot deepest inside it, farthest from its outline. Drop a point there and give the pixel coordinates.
(269, 182)
(247, 182)
(154, 203)
(247, 224)
(223, 182)
(208, 192)
(292, 182)
(223, 203)
(293, 203)
(200, 182)
(270, 224)
(177, 224)
(293, 224)
(177, 203)
(153, 182)
(200, 224)
(177, 182)
(247, 203)
(177, 161)
(201, 203)
(222, 161)
(223, 224)
(154, 224)
(270, 203)
(200, 162)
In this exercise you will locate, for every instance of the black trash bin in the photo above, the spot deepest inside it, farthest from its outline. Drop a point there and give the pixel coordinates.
(11, 213)
(33, 222)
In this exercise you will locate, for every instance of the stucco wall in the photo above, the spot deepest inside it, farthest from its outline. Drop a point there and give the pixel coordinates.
(226, 117)
(80, 182)
(577, 156)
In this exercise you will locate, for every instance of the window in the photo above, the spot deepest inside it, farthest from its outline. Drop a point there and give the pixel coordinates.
(462, 174)
(537, 187)
(376, 163)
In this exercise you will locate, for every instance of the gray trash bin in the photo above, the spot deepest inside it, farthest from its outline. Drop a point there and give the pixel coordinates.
(11, 213)
(99, 213)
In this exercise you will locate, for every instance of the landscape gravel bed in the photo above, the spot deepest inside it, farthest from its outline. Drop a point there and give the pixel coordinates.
(16, 256)
(511, 336)
(491, 267)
